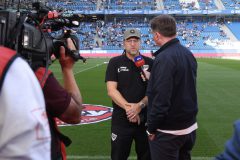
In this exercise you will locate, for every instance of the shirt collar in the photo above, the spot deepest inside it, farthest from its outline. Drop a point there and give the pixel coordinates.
(124, 54)
(166, 45)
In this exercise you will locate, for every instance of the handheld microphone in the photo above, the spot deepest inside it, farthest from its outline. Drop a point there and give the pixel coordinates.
(140, 62)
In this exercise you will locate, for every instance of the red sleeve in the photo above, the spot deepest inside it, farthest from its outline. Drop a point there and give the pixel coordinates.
(56, 97)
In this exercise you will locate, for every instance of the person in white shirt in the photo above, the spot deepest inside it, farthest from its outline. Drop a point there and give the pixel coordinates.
(24, 128)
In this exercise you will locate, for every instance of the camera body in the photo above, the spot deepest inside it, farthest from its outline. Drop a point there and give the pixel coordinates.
(8, 20)
(30, 33)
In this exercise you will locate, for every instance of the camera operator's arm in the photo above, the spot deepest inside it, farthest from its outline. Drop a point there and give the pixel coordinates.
(73, 112)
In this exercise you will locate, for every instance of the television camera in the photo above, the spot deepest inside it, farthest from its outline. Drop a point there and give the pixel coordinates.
(37, 33)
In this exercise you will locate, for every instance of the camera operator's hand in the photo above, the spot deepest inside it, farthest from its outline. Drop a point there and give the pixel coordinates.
(65, 60)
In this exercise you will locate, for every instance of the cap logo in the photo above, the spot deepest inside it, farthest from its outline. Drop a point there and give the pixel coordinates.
(132, 31)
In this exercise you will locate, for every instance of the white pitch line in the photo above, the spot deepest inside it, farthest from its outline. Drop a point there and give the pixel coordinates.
(85, 70)
(129, 158)
(88, 68)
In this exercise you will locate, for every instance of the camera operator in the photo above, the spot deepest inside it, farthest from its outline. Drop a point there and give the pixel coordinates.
(24, 130)
(35, 43)
(64, 103)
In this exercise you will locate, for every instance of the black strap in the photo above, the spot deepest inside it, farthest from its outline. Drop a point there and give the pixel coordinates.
(57, 138)
(65, 139)
(13, 37)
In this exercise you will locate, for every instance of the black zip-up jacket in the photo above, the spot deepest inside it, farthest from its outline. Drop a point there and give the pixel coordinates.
(172, 96)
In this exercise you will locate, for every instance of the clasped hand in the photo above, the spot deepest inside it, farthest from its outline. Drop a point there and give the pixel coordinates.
(132, 111)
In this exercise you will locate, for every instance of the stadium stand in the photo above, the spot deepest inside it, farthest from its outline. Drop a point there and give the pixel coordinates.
(172, 4)
(207, 4)
(234, 27)
(193, 35)
(82, 5)
(231, 4)
(130, 5)
(196, 32)
(189, 4)
(75, 4)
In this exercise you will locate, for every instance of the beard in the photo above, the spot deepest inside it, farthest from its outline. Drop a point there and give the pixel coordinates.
(133, 53)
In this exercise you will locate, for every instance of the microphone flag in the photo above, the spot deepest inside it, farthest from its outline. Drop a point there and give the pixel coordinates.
(139, 61)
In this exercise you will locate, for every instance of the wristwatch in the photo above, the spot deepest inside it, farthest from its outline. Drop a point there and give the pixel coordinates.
(142, 105)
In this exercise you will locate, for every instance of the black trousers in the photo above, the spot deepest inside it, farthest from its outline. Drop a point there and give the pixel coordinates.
(171, 147)
(122, 138)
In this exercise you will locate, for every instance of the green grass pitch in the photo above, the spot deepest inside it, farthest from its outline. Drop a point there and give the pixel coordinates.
(218, 88)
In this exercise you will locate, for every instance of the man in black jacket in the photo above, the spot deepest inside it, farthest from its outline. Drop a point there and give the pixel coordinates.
(172, 97)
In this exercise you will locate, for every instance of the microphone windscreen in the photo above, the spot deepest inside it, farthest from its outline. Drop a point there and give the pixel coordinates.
(139, 61)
